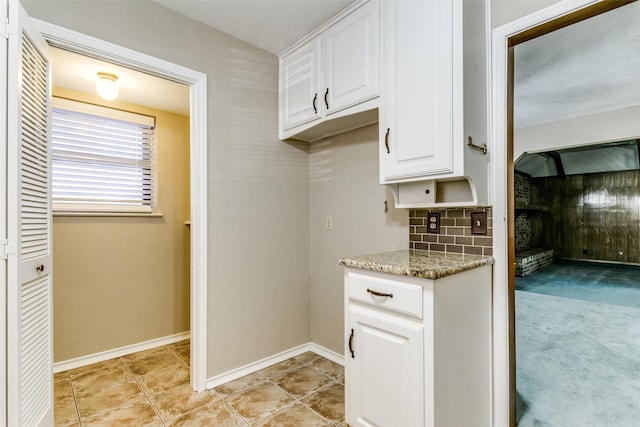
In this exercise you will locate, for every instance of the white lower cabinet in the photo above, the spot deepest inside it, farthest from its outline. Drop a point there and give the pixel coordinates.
(418, 363)
(386, 370)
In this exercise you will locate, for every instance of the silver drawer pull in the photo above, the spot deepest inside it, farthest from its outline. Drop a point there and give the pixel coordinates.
(379, 294)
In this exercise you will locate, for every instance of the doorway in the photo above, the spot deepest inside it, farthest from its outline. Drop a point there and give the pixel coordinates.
(89, 46)
(577, 286)
(122, 276)
(503, 40)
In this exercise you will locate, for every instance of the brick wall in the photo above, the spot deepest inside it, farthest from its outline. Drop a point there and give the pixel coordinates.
(455, 232)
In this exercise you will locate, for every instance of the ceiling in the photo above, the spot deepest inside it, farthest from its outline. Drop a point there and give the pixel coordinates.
(77, 72)
(272, 25)
(609, 157)
(586, 68)
(589, 67)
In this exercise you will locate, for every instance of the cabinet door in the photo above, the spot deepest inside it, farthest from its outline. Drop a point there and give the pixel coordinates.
(418, 89)
(384, 378)
(351, 59)
(300, 86)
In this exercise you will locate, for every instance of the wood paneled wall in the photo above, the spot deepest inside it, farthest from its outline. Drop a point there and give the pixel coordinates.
(593, 217)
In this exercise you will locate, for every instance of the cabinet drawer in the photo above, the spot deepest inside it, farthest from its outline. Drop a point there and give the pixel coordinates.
(388, 294)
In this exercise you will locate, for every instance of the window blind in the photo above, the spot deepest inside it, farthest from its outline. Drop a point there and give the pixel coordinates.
(101, 163)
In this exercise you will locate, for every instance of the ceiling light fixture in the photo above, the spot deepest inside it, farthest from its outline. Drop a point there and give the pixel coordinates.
(107, 86)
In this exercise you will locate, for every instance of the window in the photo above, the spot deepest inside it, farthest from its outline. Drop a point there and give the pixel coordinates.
(102, 159)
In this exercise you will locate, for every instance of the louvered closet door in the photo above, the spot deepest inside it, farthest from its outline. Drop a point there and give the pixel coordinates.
(29, 313)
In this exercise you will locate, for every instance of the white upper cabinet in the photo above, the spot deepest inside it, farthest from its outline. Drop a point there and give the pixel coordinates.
(328, 79)
(351, 59)
(433, 98)
(300, 73)
(418, 109)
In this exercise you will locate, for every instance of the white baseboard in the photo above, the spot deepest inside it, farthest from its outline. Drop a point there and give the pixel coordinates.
(117, 352)
(326, 353)
(272, 360)
(211, 382)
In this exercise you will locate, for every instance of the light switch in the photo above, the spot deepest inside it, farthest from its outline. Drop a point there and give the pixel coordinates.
(479, 223)
(328, 222)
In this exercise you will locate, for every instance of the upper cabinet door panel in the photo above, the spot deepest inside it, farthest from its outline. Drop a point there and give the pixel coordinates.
(330, 80)
(351, 59)
(417, 109)
(300, 75)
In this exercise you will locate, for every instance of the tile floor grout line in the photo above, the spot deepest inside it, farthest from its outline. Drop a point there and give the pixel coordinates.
(143, 391)
(266, 380)
(235, 411)
(331, 384)
(75, 401)
(311, 409)
(328, 372)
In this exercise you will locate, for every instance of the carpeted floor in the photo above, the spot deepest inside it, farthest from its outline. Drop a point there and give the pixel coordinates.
(578, 360)
(598, 282)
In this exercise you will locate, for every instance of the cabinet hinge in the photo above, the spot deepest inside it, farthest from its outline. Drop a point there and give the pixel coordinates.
(5, 28)
(6, 249)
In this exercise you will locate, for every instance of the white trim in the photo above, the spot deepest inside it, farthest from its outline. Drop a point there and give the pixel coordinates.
(323, 27)
(4, 9)
(326, 353)
(90, 359)
(498, 139)
(96, 48)
(272, 360)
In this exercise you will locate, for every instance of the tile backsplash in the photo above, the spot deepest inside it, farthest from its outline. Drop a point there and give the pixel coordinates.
(455, 232)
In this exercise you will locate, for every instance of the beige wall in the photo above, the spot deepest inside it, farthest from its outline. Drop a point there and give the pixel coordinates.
(344, 184)
(258, 242)
(120, 281)
(505, 11)
(274, 281)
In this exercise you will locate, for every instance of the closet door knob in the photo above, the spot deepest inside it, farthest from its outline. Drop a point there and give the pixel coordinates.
(40, 268)
(326, 98)
(315, 109)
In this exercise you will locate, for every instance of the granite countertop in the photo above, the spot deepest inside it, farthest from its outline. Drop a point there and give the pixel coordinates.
(418, 263)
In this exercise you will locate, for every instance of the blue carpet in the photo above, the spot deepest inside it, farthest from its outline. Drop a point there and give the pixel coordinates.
(578, 346)
(589, 281)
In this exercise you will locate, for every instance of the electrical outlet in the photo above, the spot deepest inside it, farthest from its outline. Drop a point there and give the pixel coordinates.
(328, 222)
(433, 222)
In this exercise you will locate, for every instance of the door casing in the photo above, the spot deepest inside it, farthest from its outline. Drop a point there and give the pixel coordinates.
(76, 42)
(502, 40)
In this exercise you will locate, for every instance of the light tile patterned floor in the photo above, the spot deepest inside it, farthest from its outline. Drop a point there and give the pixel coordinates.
(151, 388)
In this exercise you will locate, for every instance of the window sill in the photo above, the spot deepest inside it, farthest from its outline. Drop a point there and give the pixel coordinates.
(107, 214)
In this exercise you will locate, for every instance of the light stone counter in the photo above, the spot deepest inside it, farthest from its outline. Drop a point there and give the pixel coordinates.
(418, 263)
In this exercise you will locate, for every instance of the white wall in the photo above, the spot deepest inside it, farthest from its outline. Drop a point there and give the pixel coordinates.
(344, 184)
(258, 285)
(592, 129)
